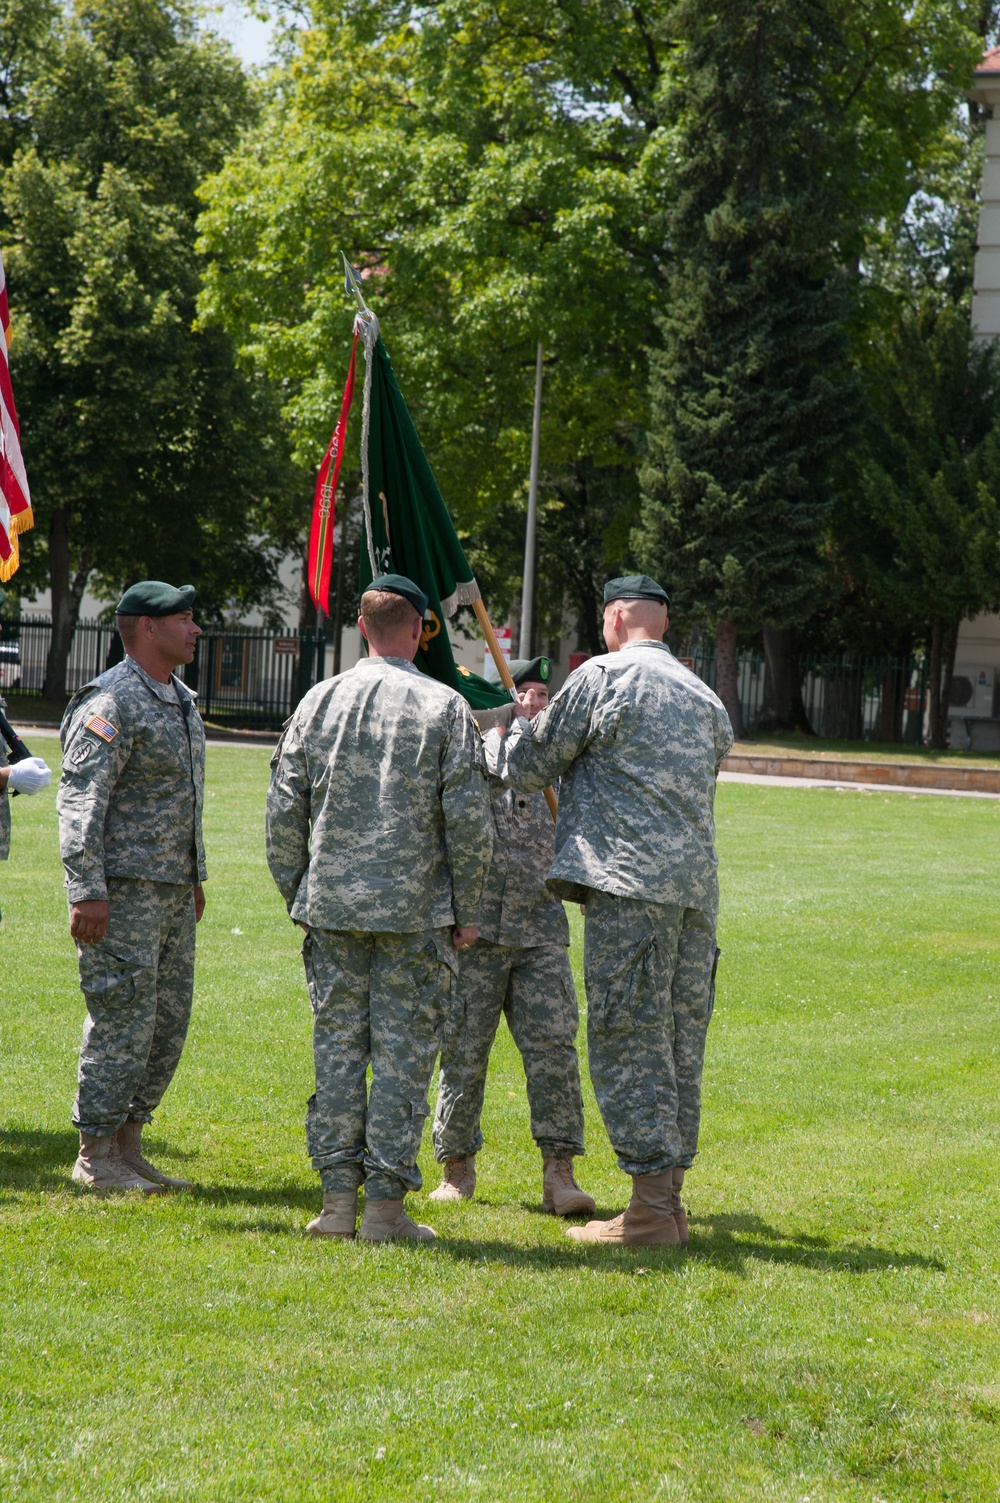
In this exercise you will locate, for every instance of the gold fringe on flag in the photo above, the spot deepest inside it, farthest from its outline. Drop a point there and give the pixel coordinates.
(20, 522)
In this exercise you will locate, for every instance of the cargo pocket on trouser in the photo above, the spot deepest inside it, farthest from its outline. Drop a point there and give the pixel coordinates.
(109, 975)
(626, 999)
(435, 997)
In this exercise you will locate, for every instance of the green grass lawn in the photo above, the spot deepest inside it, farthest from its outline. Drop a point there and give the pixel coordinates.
(832, 1332)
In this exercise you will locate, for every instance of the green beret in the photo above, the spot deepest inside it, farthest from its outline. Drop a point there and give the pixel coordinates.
(398, 584)
(635, 587)
(523, 671)
(151, 597)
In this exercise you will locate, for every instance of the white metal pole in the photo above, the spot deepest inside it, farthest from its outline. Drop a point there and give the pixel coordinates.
(531, 528)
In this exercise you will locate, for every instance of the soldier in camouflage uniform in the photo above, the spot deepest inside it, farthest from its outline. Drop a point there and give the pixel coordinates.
(638, 741)
(378, 837)
(518, 967)
(130, 807)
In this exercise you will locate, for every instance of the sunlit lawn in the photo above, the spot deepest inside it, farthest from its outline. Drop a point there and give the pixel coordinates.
(832, 1332)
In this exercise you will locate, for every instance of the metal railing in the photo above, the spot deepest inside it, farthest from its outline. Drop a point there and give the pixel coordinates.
(246, 676)
(253, 677)
(846, 697)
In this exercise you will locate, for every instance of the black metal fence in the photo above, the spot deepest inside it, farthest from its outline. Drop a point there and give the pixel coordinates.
(247, 677)
(251, 677)
(846, 697)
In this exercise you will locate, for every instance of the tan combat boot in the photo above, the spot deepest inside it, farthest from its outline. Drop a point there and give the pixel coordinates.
(648, 1221)
(338, 1217)
(561, 1195)
(100, 1167)
(459, 1181)
(386, 1221)
(680, 1215)
(129, 1140)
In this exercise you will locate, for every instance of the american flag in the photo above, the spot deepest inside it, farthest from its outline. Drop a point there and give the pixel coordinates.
(15, 500)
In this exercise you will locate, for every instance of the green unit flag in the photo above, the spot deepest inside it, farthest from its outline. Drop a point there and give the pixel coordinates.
(407, 526)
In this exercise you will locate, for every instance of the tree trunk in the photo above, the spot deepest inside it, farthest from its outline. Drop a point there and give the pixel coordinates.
(892, 698)
(934, 732)
(783, 708)
(67, 592)
(940, 672)
(727, 676)
(843, 718)
(948, 649)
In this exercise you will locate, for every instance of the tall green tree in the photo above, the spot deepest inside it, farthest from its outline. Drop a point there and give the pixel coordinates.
(480, 164)
(909, 550)
(922, 532)
(147, 450)
(753, 395)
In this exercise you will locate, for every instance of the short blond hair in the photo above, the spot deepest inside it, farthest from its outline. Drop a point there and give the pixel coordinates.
(385, 613)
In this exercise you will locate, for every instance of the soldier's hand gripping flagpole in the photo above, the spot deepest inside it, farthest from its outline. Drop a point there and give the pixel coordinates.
(500, 663)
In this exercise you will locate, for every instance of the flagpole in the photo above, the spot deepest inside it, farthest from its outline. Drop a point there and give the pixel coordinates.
(500, 663)
(338, 633)
(320, 644)
(531, 526)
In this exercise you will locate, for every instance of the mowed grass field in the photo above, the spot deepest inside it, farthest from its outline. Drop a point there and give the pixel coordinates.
(833, 1331)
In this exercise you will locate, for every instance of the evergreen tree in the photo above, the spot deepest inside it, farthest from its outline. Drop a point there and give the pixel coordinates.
(921, 533)
(751, 395)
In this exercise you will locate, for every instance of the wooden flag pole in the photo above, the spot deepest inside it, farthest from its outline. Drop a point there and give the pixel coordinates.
(500, 662)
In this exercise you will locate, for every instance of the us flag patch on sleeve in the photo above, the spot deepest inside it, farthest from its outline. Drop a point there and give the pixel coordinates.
(102, 728)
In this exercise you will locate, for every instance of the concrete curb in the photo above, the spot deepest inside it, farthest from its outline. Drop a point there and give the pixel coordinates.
(885, 774)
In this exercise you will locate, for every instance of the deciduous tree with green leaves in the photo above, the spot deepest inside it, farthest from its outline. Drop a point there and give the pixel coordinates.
(147, 450)
(484, 165)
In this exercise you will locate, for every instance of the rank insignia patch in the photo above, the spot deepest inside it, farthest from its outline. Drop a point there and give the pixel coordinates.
(102, 728)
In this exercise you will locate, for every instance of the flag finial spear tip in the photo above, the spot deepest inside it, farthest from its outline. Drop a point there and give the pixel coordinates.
(352, 285)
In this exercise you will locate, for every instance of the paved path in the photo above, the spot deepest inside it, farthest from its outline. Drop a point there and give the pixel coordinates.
(778, 782)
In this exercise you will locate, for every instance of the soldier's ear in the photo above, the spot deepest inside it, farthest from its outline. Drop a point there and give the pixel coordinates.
(361, 627)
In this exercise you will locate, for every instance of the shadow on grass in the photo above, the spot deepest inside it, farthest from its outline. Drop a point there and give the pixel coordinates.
(304, 1197)
(731, 1241)
(35, 1160)
(40, 1161)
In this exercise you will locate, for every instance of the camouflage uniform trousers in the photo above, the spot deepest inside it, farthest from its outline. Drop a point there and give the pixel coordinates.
(383, 1000)
(137, 984)
(533, 988)
(650, 977)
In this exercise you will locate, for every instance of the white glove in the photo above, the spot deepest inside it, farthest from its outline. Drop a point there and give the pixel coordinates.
(29, 776)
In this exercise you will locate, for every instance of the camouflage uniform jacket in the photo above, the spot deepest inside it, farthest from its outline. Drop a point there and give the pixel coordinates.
(638, 741)
(518, 908)
(132, 787)
(377, 814)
